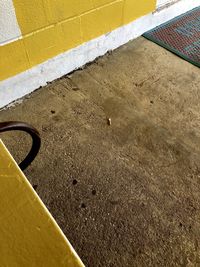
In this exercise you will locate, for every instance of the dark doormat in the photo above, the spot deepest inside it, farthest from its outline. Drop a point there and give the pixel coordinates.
(180, 35)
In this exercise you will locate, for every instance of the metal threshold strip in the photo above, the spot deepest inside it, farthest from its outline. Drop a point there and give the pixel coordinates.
(166, 5)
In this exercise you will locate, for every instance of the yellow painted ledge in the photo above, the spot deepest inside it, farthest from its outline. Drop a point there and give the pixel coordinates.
(29, 235)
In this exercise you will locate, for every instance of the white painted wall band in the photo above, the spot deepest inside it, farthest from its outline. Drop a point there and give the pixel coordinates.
(26, 82)
(9, 28)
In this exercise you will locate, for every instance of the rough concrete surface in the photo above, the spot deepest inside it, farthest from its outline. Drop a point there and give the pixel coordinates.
(125, 194)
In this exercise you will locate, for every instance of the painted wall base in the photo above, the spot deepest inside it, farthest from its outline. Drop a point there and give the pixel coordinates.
(24, 83)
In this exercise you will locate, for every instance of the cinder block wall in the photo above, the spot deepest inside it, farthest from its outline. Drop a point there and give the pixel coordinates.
(33, 31)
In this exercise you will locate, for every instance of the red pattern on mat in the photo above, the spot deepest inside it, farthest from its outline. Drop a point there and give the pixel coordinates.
(183, 34)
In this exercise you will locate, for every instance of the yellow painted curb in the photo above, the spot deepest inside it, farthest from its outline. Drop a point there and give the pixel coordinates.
(29, 235)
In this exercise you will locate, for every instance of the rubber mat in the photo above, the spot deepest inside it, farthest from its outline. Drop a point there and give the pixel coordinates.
(180, 35)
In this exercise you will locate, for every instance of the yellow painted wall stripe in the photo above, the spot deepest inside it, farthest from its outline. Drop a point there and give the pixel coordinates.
(29, 236)
(51, 27)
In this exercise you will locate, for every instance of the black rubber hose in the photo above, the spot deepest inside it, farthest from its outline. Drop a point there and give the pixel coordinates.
(36, 141)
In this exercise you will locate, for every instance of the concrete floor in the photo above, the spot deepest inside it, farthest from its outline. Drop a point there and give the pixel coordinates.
(126, 194)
